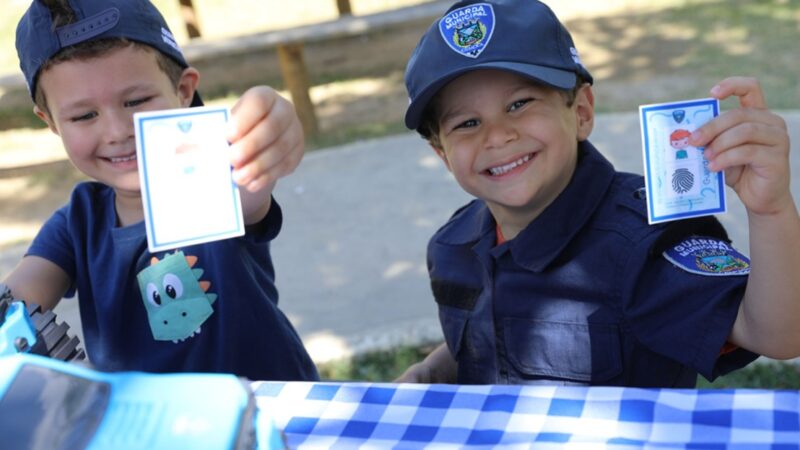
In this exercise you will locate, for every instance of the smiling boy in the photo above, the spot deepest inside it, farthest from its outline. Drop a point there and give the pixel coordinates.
(90, 65)
(553, 275)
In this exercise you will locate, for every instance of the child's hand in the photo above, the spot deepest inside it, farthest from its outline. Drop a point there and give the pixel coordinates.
(438, 367)
(266, 138)
(751, 144)
(416, 373)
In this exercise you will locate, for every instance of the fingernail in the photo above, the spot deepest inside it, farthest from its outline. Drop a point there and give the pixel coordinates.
(240, 176)
(715, 90)
(695, 137)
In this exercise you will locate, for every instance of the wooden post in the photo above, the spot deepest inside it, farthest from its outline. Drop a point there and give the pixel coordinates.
(344, 8)
(189, 15)
(295, 76)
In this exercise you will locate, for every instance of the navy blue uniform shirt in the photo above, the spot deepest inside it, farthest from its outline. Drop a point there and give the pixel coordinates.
(583, 295)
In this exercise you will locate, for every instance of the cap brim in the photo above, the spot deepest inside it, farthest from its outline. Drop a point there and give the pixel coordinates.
(557, 78)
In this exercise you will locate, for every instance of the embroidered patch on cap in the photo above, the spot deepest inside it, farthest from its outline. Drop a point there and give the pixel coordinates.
(468, 30)
(708, 256)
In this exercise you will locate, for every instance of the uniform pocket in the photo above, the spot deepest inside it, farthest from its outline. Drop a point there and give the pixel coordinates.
(456, 302)
(453, 321)
(582, 352)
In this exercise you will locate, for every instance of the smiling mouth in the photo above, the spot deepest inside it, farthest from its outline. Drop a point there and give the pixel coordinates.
(121, 159)
(504, 169)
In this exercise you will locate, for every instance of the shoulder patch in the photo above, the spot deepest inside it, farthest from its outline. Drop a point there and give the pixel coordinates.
(707, 256)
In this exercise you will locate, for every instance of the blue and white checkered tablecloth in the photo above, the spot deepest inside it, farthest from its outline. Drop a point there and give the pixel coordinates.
(377, 415)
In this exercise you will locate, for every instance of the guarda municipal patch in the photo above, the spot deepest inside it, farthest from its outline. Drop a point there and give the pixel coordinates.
(469, 29)
(708, 256)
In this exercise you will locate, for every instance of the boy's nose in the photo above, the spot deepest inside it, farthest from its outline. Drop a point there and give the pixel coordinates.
(119, 126)
(499, 134)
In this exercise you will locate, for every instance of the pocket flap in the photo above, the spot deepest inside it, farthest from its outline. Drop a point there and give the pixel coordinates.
(584, 352)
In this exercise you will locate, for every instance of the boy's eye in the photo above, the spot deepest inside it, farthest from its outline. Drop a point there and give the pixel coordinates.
(519, 104)
(467, 124)
(82, 117)
(136, 102)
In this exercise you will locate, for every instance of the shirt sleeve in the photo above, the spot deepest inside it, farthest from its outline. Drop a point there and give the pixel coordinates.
(268, 228)
(683, 315)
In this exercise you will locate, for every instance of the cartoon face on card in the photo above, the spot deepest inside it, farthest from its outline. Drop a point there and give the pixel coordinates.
(679, 184)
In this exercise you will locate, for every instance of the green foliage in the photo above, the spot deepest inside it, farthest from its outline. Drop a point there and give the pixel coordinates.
(769, 375)
(384, 365)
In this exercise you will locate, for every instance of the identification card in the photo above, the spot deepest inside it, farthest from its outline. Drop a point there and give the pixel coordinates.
(679, 184)
(188, 192)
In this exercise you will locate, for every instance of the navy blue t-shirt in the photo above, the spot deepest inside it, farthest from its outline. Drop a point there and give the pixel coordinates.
(245, 333)
(585, 294)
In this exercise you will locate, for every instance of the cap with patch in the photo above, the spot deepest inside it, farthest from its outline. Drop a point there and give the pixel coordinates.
(137, 20)
(521, 36)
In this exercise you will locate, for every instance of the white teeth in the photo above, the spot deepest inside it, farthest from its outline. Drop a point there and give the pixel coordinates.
(123, 159)
(504, 169)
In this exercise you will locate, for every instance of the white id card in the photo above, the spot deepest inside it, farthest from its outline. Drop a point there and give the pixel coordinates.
(679, 184)
(187, 189)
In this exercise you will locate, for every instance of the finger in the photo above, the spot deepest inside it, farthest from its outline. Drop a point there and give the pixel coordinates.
(730, 119)
(756, 157)
(286, 166)
(267, 136)
(259, 119)
(747, 89)
(742, 133)
(738, 156)
(251, 107)
(287, 151)
(264, 162)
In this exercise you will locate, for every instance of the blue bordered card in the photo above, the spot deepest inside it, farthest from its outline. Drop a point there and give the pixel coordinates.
(188, 192)
(679, 184)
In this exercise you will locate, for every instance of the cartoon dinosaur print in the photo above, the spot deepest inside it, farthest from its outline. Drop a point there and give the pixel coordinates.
(177, 303)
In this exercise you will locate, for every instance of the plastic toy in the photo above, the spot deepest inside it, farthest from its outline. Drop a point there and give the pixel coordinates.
(50, 403)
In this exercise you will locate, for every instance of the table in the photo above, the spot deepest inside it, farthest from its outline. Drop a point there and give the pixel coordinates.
(381, 415)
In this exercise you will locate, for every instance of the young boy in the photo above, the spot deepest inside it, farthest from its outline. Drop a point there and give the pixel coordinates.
(552, 275)
(89, 65)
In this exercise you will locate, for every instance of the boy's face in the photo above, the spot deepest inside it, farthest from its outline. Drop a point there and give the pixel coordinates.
(510, 142)
(91, 104)
(680, 143)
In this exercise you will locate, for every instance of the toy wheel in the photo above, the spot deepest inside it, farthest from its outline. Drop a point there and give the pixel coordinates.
(53, 339)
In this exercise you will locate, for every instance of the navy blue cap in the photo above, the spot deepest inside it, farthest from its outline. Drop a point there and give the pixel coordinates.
(520, 36)
(136, 20)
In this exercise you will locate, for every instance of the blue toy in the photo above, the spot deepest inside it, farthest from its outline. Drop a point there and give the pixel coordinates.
(46, 402)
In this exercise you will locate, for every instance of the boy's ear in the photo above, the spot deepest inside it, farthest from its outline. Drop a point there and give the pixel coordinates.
(45, 118)
(187, 85)
(440, 153)
(584, 111)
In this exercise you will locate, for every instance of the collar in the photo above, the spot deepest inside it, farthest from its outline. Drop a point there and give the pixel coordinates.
(544, 238)
(542, 241)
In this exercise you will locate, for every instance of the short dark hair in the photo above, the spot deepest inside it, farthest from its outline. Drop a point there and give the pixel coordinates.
(63, 14)
(429, 124)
